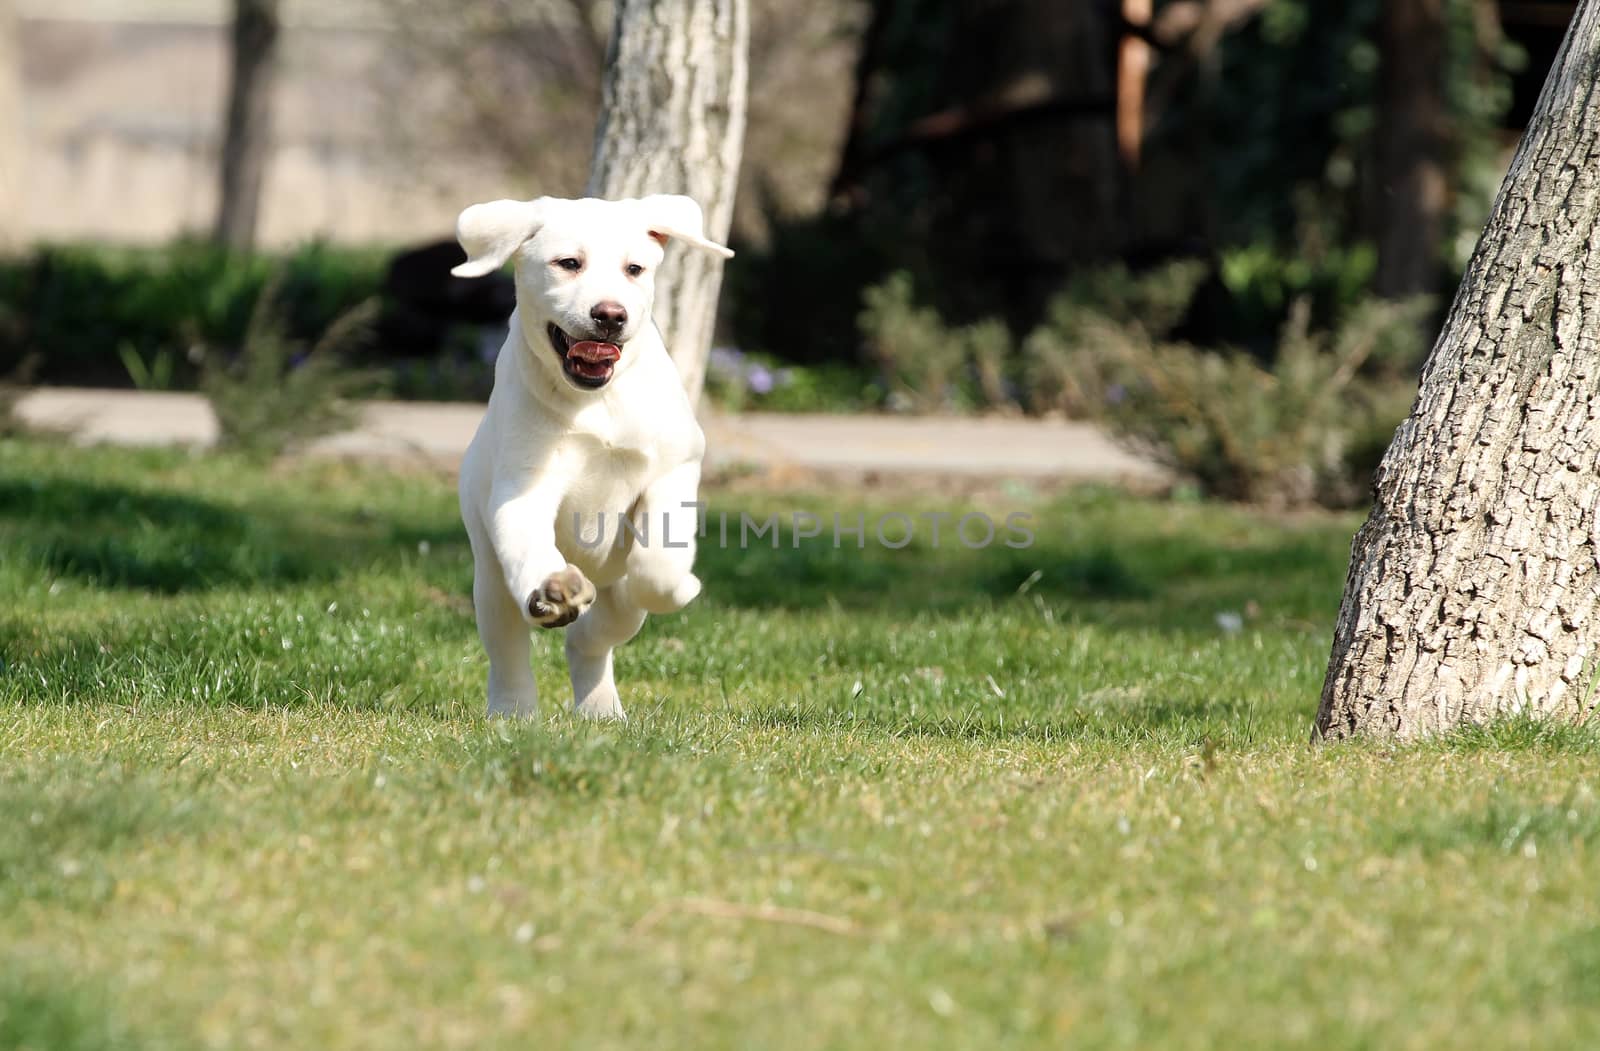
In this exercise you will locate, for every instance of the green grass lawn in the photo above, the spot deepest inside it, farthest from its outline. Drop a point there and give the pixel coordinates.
(868, 799)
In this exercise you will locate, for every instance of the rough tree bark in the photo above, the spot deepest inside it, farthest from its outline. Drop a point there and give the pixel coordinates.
(1474, 585)
(672, 121)
(1413, 142)
(247, 130)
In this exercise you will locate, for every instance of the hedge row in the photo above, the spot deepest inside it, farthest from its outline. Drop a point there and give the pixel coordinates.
(77, 313)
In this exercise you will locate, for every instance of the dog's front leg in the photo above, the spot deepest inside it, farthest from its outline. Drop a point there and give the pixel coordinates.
(512, 691)
(522, 526)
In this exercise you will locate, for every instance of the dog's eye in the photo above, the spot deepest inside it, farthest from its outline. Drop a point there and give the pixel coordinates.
(570, 264)
(634, 269)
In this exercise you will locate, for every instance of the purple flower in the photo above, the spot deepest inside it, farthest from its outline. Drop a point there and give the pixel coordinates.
(759, 379)
(727, 360)
(1116, 394)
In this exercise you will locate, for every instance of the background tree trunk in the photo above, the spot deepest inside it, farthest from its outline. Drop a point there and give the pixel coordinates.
(672, 121)
(1133, 67)
(1473, 587)
(1413, 141)
(845, 188)
(1029, 186)
(247, 133)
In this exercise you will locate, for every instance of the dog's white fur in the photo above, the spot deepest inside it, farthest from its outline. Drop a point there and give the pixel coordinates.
(552, 458)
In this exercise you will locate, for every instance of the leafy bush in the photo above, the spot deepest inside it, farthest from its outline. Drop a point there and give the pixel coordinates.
(928, 366)
(1302, 420)
(1060, 362)
(95, 315)
(920, 359)
(736, 381)
(1308, 427)
(450, 376)
(991, 352)
(275, 393)
(1259, 285)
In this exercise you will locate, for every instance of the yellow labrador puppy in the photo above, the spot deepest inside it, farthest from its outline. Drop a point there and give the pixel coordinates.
(579, 489)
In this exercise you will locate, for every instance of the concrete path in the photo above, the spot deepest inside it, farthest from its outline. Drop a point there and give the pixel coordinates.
(437, 433)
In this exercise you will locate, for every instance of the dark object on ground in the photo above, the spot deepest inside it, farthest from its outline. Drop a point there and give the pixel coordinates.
(425, 300)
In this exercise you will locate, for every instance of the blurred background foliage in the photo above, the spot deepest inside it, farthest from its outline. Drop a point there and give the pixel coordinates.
(936, 215)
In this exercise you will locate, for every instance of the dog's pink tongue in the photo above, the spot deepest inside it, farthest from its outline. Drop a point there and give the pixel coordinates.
(595, 353)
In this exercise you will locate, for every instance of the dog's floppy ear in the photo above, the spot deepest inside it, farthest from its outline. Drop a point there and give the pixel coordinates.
(676, 216)
(492, 232)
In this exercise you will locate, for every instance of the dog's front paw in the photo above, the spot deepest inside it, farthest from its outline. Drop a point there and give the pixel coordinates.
(560, 599)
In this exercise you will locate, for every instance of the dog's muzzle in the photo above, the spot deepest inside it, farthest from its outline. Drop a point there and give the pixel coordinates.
(588, 362)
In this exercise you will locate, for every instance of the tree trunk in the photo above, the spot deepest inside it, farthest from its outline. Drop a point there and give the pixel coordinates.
(845, 187)
(1133, 66)
(1474, 584)
(1413, 145)
(248, 131)
(672, 121)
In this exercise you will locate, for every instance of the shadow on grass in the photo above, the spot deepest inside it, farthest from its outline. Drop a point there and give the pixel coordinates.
(196, 660)
(1103, 559)
(1112, 561)
(120, 537)
(117, 537)
(1131, 579)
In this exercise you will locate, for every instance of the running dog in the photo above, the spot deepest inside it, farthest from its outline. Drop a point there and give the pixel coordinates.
(579, 489)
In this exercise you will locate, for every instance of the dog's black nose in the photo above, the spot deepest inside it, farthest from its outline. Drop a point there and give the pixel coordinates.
(610, 317)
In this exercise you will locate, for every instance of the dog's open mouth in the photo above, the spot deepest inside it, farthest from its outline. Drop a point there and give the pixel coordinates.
(588, 363)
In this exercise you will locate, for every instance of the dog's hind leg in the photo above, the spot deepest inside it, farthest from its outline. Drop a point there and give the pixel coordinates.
(607, 624)
(660, 577)
(512, 692)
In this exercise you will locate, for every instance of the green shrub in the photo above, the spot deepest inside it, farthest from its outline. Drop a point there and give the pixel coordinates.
(449, 376)
(991, 353)
(277, 393)
(919, 358)
(736, 381)
(928, 366)
(1062, 369)
(1302, 420)
(1155, 300)
(97, 315)
(1262, 285)
(1307, 428)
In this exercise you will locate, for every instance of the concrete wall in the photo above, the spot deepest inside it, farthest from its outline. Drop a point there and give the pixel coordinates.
(120, 108)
